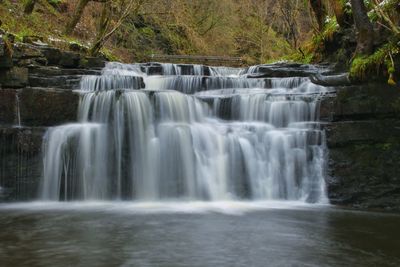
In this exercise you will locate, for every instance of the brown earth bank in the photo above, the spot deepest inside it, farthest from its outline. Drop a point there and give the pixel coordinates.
(362, 124)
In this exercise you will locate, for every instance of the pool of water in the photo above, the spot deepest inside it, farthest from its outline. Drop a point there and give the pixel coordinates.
(195, 234)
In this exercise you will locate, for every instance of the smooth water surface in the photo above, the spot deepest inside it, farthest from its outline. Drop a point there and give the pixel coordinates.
(195, 234)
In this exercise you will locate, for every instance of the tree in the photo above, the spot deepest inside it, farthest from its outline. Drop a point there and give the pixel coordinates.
(343, 17)
(76, 16)
(289, 11)
(365, 32)
(388, 12)
(319, 11)
(106, 29)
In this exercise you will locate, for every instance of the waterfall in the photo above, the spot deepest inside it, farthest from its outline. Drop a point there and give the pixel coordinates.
(191, 133)
(17, 111)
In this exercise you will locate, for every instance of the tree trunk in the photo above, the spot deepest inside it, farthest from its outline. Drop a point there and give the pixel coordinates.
(365, 32)
(320, 12)
(77, 16)
(29, 6)
(343, 19)
(102, 30)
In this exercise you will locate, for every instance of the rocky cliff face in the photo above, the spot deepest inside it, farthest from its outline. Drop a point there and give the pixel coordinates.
(36, 82)
(36, 92)
(363, 133)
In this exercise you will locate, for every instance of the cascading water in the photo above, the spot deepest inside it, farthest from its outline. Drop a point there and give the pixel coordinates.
(191, 137)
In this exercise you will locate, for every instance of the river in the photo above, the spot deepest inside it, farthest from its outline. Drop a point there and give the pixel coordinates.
(195, 234)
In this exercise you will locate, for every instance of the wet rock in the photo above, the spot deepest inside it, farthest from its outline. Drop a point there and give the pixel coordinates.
(331, 80)
(16, 77)
(59, 82)
(46, 107)
(70, 60)
(361, 132)
(364, 142)
(366, 101)
(282, 70)
(53, 55)
(26, 51)
(5, 57)
(21, 162)
(55, 77)
(75, 47)
(31, 63)
(92, 63)
(366, 175)
(7, 106)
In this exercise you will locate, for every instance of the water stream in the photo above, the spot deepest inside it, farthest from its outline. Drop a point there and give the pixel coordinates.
(17, 111)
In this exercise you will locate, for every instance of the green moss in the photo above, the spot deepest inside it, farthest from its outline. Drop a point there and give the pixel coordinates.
(8, 46)
(305, 58)
(109, 55)
(374, 65)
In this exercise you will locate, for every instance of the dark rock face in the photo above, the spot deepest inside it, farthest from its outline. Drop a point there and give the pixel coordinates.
(35, 90)
(5, 57)
(15, 77)
(363, 136)
(362, 102)
(7, 107)
(48, 107)
(29, 66)
(38, 107)
(366, 175)
(21, 162)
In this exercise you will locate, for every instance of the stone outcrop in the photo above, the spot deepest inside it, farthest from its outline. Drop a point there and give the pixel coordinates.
(36, 92)
(39, 65)
(363, 136)
(21, 161)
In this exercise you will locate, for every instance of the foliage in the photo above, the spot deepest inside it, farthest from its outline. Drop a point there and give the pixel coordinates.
(376, 64)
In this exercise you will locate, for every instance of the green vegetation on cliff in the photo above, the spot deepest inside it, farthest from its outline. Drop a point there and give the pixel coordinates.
(362, 36)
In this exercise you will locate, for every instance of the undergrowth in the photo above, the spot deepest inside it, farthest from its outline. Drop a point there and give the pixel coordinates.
(380, 62)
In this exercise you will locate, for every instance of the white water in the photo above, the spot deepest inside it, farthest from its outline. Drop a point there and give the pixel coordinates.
(158, 144)
(18, 112)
